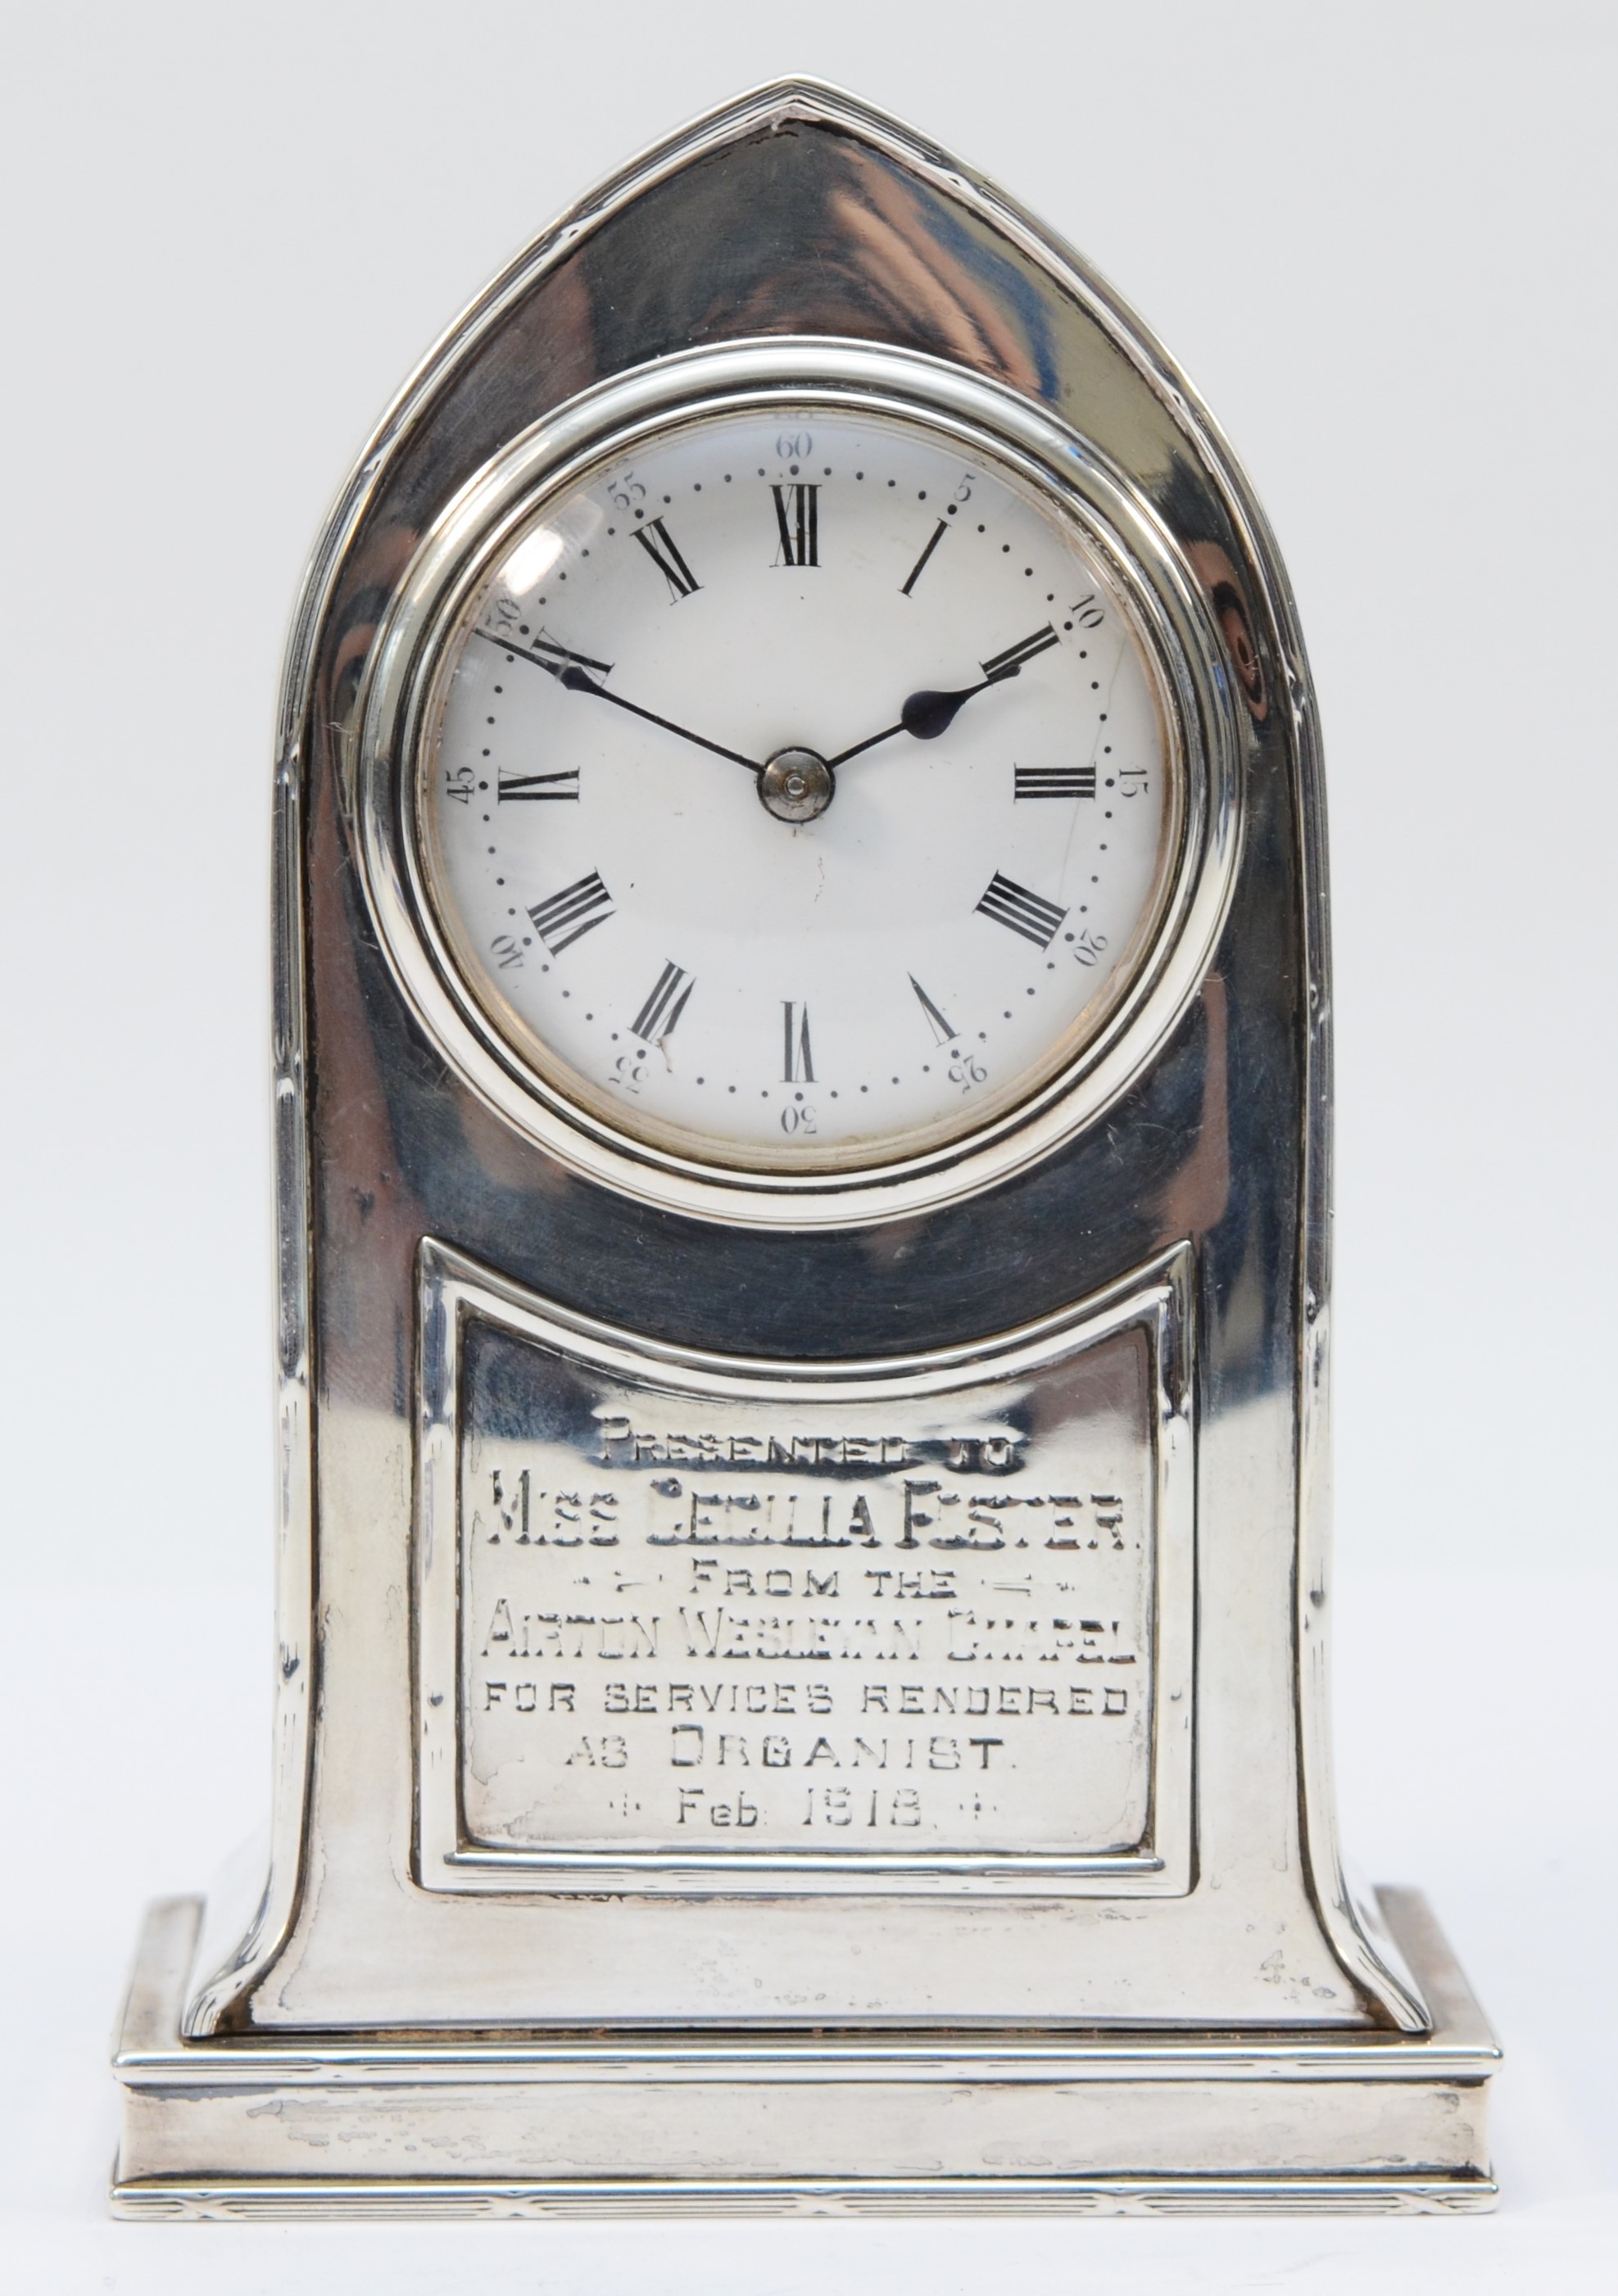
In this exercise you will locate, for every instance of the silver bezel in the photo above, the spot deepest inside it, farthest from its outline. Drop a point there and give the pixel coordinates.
(456, 557)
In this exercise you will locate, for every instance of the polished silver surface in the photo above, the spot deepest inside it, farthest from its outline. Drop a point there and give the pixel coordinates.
(796, 785)
(1143, 2124)
(432, 1192)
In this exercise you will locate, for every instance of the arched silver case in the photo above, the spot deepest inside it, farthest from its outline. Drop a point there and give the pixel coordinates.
(1000, 1475)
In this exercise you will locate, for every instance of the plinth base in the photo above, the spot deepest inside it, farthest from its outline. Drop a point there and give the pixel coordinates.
(1106, 2123)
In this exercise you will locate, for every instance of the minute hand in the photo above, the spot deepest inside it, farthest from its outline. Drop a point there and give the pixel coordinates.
(928, 714)
(578, 681)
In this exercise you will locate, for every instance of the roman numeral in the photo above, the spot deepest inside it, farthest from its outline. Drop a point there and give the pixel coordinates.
(661, 548)
(1013, 906)
(555, 658)
(568, 915)
(545, 653)
(534, 789)
(915, 575)
(797, 1065)
(942, 1030)
(798, 522)
(1054, 780)
(1007, 664)
(661, 1011)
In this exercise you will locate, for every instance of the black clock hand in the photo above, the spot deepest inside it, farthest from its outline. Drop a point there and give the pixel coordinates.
(571, 669)
(928, 714)
(578, 681)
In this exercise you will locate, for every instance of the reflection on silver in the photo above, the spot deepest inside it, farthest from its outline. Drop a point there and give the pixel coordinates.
(1083, 2124)
(398, 2019)
(796, 785)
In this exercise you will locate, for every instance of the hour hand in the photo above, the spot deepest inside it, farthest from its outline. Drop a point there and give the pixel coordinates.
(927, 714)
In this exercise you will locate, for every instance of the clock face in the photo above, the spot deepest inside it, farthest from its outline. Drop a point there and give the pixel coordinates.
(799, 795)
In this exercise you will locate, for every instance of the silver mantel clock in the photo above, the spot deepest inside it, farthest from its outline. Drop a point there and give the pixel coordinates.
(803, 1140)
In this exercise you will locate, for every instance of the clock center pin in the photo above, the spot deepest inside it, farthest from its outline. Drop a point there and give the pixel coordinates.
(796, 785)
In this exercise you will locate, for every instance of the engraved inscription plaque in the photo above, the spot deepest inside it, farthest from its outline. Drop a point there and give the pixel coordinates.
(927, 1623)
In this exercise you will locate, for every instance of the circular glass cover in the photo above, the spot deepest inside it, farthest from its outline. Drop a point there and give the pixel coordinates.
(797, 795)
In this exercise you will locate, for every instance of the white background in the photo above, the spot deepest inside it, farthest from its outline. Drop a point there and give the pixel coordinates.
(1379, 238)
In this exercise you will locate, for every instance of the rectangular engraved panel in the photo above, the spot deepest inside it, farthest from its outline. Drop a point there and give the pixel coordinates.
(693, 1620)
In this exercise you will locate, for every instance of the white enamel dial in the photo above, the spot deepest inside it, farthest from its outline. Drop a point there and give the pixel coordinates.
(800, 795)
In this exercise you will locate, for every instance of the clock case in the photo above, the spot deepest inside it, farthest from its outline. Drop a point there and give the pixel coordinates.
(345, 2034)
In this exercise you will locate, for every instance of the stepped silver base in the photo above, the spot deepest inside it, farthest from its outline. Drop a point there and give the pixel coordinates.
(1115, 2123)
